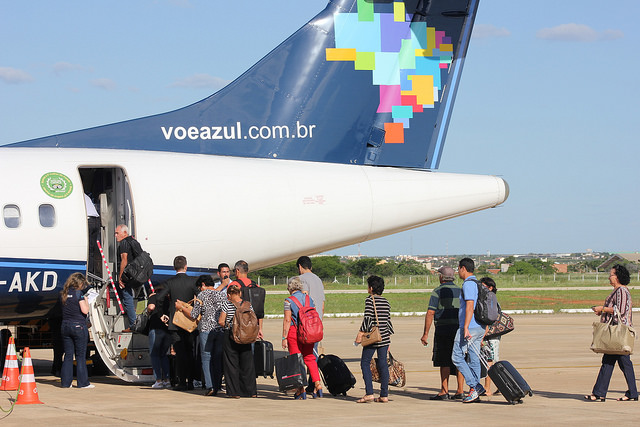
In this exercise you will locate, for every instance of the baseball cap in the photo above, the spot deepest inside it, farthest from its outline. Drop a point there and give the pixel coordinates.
(447, 273)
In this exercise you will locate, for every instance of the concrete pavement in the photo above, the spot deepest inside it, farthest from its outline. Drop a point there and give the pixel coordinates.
(551, 352)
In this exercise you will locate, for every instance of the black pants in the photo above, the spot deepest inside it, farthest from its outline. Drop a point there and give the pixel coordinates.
(185, 362)
(239, 368)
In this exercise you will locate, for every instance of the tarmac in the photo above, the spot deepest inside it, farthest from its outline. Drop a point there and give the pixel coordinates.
(550, 351)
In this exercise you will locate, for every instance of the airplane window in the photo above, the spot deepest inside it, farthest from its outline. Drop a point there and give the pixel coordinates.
(11, 214)
(47, 215)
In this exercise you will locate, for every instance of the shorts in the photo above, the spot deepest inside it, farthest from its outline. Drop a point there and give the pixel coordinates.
(491, 350)
(442, 349)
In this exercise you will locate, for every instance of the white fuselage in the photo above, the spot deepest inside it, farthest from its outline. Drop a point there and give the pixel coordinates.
(216, 209)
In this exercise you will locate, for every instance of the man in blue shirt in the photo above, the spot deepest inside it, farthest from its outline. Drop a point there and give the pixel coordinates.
(470, 333)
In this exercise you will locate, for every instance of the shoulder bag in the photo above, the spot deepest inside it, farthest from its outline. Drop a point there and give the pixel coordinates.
(397, 374)
(502, 326)
(613, 339)
(183, 322)
(373, 336)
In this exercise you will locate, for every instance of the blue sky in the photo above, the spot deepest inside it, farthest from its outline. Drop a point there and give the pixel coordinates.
(548, 101)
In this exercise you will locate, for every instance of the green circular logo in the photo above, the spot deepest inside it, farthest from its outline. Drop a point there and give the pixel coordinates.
(56, 185)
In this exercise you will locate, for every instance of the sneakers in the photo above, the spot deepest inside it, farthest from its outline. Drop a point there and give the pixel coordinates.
(471, 397)
(158, 384)
(88, 386)
(166, 384)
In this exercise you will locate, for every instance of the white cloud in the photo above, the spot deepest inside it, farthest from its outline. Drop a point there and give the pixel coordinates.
(103, 83)
(200, 81)
(577, 33)
(14, 76)
(484, 31)
(63, 67)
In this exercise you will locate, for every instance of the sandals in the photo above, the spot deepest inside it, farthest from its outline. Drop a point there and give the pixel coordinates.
(627, 399)
(366, 399)
(381, 399)
(593, 398)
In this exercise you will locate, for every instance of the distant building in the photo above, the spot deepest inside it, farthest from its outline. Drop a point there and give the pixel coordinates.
(493, 270)
(561, 268)
(616, 258)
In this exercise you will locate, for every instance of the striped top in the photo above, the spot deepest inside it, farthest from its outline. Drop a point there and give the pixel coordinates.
(384, 319)
(621, 298)
(445, 301)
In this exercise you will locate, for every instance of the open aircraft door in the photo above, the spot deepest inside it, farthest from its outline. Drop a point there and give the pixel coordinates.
(126, 355)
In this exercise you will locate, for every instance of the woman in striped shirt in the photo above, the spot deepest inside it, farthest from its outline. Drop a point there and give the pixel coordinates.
(239, 369)
(620, 298)
(380, 317)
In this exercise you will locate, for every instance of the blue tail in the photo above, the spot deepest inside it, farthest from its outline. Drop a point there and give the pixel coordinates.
(364, 82)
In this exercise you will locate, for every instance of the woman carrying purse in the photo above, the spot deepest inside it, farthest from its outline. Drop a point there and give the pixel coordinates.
(619, 300)
(377, 312)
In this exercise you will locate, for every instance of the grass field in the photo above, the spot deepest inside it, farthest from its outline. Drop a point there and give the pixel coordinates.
(509, 300)
(431, 281)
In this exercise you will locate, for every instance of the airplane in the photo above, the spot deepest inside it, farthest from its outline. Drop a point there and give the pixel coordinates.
(331, 139)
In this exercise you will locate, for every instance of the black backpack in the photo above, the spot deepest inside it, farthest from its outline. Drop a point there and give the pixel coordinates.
(139, 270)
(486, 311)
(255, 295)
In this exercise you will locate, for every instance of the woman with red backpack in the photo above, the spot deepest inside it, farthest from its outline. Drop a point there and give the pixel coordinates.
(296, 339)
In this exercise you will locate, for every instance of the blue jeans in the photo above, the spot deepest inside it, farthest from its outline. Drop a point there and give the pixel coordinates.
(470, 371)
(211, 355)
(159, 343)
(383, 369)
(126, 297)
(75, 337)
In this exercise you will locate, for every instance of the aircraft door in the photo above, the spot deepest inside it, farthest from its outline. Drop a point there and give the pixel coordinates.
(108, 189)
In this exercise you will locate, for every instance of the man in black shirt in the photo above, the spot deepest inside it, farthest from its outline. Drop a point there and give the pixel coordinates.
(127, 248)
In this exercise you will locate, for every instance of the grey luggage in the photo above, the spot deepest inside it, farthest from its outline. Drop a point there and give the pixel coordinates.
(263, 358)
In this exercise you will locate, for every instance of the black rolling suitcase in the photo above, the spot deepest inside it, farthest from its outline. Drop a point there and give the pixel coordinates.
(506, 378)
(291, 372)
(336, 375)
(263, 358)
(509, 381)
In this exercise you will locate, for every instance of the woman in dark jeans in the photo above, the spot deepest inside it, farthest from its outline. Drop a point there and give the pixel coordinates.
(376, 287)
(619, 300)
(75, 334)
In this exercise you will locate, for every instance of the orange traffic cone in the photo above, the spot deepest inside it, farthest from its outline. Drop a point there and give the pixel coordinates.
(28, 390)
(11, 371)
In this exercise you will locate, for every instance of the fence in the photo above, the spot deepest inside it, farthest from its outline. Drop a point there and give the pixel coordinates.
(431, 280)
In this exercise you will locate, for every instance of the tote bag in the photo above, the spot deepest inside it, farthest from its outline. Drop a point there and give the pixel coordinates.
(613, 339)
(183, 322)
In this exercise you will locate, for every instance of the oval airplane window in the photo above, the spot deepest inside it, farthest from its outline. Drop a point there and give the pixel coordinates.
(47, 214)
(11, 215)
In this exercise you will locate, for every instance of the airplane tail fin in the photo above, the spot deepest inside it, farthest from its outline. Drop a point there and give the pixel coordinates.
(364, 82)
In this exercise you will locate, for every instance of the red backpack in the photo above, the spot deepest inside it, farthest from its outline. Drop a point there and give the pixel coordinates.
(309, 322)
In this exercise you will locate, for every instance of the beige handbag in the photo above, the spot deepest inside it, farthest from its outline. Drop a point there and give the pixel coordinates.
(183, 322)
(373, 336)
(613, 339)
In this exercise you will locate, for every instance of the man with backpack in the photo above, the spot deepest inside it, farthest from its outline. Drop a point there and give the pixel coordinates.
(470, 332)
(127, 248)
(250, 291)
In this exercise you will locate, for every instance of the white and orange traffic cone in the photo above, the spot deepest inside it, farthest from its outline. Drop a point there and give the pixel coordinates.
(10, 380)
(28, 390)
